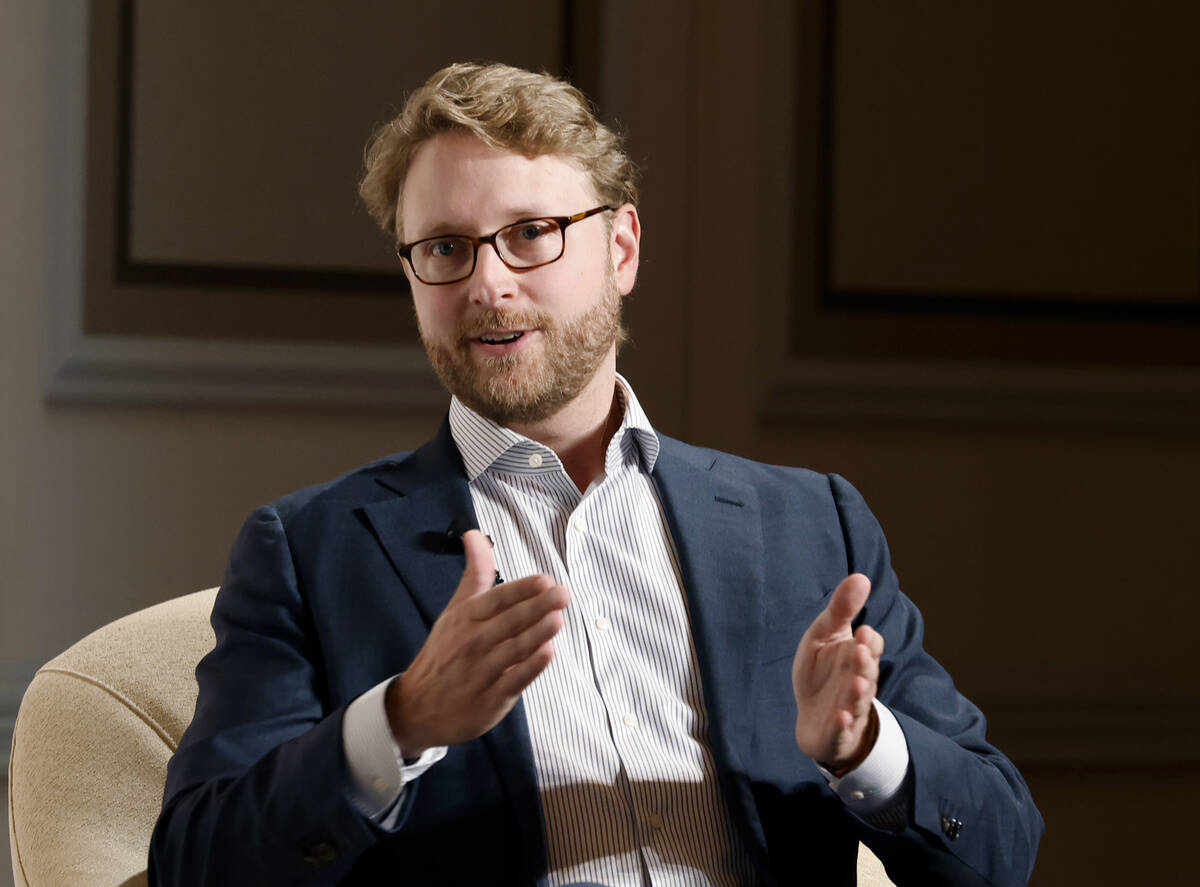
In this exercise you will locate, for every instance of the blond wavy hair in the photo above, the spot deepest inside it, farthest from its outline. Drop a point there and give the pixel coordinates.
(507, 108)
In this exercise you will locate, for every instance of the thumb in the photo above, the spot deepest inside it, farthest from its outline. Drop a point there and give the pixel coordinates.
(481, 563)
(845, 602)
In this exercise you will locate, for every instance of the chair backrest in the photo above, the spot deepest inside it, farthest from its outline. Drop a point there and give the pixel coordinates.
(95, 730)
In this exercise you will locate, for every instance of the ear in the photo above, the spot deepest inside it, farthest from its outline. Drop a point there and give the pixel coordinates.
(625, 246)
(406, 266)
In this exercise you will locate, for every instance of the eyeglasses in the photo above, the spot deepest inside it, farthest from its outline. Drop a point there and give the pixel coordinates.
(529, 243)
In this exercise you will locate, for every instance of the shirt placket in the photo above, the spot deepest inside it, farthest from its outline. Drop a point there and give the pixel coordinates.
(619, 686)
(572, 672)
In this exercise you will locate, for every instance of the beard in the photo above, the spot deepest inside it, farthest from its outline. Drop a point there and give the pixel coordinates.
(523, 388)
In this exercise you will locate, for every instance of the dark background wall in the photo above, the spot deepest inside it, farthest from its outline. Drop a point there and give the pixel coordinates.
(950, 251)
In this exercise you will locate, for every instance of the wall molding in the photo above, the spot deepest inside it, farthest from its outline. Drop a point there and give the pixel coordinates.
(115, 370)
(963, 393)
(1097, 733)
(1087, 716)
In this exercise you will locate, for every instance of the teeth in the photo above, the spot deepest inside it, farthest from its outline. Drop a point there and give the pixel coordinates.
(501, 340)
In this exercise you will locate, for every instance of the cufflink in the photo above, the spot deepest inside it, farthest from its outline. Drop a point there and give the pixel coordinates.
(318, 854)
(951, 827)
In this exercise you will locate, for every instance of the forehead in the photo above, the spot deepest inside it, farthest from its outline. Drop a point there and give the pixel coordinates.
(457, 183)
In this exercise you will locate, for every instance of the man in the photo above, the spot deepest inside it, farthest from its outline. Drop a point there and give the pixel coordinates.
(551, 645)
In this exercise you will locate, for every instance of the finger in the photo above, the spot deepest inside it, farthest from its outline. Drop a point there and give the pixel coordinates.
(862, 691)
(845, 602)
(507, 595)
(852, 661)
(511, 683)
(872, 639)
(850, 687)
(853, 678)
(511, 635)
(867, 663)
(481, 564)
(514, 652)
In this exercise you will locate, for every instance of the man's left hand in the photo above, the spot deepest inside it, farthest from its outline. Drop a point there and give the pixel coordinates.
(834, 678)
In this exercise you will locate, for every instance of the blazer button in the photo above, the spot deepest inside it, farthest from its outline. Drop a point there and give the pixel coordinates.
(319, 854)
(951, 827)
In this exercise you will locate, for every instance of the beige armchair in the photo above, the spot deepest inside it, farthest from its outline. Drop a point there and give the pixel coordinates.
(91, 744)
(90, 749)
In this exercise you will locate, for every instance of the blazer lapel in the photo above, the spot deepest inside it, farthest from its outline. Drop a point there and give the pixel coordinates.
(715, 522)
(418, 530)
(414, 527)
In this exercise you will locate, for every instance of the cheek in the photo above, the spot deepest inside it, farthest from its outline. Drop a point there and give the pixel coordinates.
(568, 287)
(434, 316)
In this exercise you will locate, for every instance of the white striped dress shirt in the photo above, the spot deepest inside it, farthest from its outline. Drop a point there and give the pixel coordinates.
(618, 724)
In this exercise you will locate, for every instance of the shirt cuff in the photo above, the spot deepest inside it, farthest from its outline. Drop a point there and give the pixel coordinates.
(876, 783)
(377, 767)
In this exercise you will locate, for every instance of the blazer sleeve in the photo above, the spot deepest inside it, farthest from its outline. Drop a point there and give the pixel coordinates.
(258, 791)
(956, 776)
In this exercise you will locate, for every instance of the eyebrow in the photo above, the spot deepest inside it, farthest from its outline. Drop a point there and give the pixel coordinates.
(444, 229)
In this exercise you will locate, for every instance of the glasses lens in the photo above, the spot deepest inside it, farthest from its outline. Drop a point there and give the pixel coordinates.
(526, 244)
(442, 258)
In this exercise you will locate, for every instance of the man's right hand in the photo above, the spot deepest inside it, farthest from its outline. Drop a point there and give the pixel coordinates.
(484, 649)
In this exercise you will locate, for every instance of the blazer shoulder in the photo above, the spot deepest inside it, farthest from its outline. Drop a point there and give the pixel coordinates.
(435, 462)
(357, 484)
(762, 475)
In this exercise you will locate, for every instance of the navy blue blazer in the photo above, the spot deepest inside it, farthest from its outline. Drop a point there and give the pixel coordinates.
(333, 589)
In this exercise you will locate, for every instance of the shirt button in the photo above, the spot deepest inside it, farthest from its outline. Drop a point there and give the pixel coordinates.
(857, 796)
(603, 624)
(580, 525)
(535, 460)
(630, 720)
(655, 822)
(379, 783)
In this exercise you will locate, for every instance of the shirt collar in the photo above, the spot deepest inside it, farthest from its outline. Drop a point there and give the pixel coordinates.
(483, 443)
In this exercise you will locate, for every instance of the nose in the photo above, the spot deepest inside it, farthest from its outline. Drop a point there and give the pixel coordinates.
(492, 281)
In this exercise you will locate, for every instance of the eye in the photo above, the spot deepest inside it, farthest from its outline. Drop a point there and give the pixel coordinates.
(534, 230)
(441, 249)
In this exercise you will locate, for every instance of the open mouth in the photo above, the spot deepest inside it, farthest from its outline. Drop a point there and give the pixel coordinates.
(501, 338)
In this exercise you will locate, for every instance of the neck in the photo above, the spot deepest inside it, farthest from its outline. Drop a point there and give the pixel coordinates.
(579, 433)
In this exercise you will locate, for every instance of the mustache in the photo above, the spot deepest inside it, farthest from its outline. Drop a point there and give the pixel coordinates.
(491, 319)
